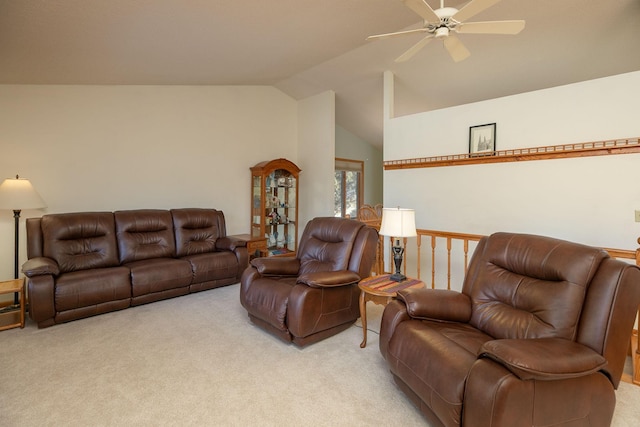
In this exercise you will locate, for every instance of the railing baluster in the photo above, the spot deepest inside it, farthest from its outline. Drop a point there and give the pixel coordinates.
(466, 255)
(404, 245)
(433, 262)
(449, 263)
(419, 242)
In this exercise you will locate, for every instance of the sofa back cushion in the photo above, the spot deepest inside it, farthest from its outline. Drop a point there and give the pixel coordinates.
(80, 241)
(196, 230)
(524, 286)
(327, 243)
(144, 234)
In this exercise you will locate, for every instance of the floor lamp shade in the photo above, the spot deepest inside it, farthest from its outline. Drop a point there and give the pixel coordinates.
(398, 223)
(17, 194)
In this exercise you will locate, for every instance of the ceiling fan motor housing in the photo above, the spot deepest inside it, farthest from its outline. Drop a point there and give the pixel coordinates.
(441, 30)
(445, 13)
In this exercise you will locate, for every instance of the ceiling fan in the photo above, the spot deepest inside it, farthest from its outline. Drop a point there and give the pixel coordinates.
(445, 22)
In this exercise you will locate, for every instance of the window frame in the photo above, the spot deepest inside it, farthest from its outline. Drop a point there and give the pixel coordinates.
(350, 165)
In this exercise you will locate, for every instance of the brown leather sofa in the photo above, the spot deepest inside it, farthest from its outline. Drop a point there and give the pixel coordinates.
(537, 336)
(314, 295)
(88, 263)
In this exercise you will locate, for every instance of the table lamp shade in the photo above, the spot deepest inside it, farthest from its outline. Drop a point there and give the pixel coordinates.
(18, 194)
(397, 222)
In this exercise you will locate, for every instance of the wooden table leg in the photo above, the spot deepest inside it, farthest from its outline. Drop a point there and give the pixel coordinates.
(22, 305)
(363, 318)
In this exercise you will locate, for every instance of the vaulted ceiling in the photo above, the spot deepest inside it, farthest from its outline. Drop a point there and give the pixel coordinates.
(305, 47)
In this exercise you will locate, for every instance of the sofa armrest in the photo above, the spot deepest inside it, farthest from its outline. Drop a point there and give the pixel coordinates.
(544, 358)
(40, 266)
(393, 315)
(329, 279)
(277, 266)
(228, 243)
(436, 304)
(41, 290)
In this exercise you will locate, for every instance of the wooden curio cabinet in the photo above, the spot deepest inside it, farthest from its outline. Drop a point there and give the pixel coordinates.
(274, 206)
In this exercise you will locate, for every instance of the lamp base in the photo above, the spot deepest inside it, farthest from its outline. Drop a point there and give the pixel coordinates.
(397, 277)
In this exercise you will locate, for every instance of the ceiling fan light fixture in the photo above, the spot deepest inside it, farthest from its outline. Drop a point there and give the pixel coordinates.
(442, 32)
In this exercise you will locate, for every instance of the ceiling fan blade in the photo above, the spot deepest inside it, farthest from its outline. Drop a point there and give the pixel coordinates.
(456, 49)
(490, 27)
(414, 49)
(423, 9)
(397, 33)
(473, 8)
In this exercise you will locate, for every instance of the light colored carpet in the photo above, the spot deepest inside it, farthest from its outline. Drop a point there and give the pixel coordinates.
(197, 360)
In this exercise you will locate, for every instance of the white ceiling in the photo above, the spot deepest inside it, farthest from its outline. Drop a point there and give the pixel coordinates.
(305, 47)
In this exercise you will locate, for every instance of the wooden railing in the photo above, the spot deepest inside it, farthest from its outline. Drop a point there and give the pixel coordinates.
(563, 151)
(432, 250)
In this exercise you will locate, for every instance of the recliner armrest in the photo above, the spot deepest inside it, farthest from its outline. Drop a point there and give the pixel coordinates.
(544, 358)
(40, 266)
(229, 244)
(277, 266)
(329, 279)
(436, 304)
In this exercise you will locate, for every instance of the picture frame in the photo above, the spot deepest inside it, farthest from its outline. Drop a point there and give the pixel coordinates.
(482, 139)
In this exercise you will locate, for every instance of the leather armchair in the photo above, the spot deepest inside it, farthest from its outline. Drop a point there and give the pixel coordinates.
(314, 295)
(537, 336)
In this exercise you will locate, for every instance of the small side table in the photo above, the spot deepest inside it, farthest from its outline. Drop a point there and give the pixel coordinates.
(380, 290)
(256, 246)
(15, 318)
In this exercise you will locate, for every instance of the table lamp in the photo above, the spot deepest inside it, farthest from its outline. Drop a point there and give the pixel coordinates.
(398, 223)
(17, 194)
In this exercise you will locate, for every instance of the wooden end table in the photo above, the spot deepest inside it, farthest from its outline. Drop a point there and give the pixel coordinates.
(14, 318)
(380, 290)
(256, 246)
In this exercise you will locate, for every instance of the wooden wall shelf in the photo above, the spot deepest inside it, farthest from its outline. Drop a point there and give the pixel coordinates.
(584, 149)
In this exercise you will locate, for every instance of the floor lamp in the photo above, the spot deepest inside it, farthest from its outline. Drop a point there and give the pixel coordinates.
(398, 223)
(17, 194)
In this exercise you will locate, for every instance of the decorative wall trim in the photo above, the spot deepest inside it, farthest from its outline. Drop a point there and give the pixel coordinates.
(563, 151)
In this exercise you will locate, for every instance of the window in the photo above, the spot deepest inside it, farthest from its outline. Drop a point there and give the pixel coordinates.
(349, 183)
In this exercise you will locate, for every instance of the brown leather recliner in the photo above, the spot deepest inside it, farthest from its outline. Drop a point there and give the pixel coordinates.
(537, 337)
(314, 295)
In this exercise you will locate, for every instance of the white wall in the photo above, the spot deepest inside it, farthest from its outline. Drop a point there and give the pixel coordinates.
(316, 136)
(590, 200)
(127, 147)
(349, 146)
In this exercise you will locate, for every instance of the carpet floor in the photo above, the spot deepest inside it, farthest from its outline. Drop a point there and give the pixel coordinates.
(198, 360)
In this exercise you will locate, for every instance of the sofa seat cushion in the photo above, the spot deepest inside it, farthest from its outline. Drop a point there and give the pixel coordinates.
(86, 288)
(157, 275)
(213, 266)
(433, 359)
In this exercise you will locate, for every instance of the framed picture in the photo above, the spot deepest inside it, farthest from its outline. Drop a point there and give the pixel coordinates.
(482, 139)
